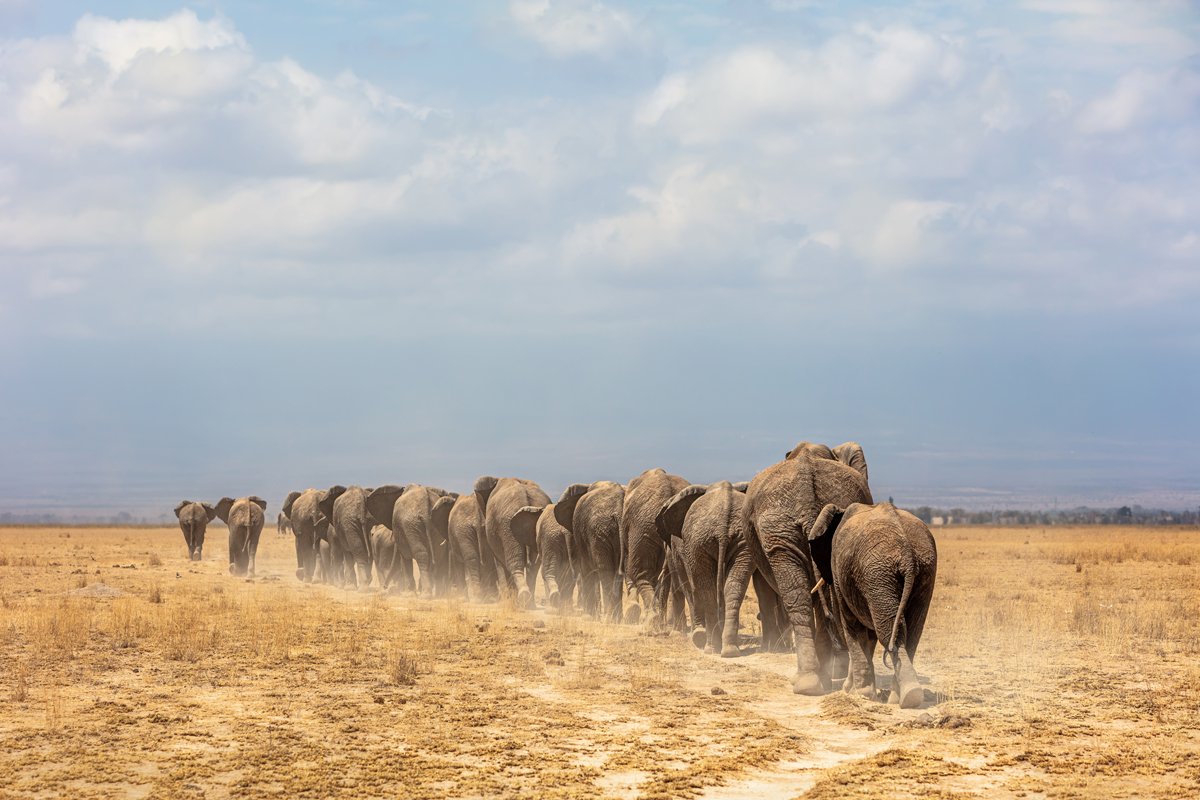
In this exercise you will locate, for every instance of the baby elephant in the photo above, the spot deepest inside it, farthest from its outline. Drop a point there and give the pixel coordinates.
(881, 562)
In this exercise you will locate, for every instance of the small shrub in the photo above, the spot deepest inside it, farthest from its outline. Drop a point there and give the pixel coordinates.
(155, 594)
(402, 668)
(154, 560)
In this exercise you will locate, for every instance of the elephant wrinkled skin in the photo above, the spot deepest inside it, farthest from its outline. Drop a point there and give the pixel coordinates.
(645, 551)
(193, 521)
(882, 564)
(245, 517)
(782, 503)
(501, 499)
(591, 514)
(703, 525)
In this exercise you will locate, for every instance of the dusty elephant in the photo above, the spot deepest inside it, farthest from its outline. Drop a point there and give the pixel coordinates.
(501, 499)
(704, 528)
(469, 544)
(882, 564)
(245, 517)
(554, 547)
(193, 521)
(419, 520)
(645, 551)
(310, 527)
(283, 525)
(591, 514)
(782, 503)
(350, 525)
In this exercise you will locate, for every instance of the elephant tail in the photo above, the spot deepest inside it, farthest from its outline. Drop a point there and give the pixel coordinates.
(721, 580)
(893, 646)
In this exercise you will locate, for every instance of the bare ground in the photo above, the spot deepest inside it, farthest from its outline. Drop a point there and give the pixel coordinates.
(1060, 663)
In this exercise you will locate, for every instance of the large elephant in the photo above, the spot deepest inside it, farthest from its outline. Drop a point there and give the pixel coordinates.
(350, 525)
(245, 517)
(310, 527)
(591, 513)
(645, 551)
(554, 547)
(193, 521)
(418, 520)
(703, 526)
(782, 503)
(882, 564)
(501, 499)
(469, 544)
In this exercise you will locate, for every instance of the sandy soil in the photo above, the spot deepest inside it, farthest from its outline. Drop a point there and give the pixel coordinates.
(1060, 663)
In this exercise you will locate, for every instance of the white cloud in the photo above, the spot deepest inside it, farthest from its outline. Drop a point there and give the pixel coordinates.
(1142, 97)
(866, 71)
(574, 27)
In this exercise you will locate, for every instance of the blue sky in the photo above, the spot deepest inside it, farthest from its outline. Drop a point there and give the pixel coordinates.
(249, 247)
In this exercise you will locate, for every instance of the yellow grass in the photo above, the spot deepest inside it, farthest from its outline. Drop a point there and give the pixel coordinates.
(1060, 662)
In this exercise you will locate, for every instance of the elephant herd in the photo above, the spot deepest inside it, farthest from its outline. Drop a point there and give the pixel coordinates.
(833, 572)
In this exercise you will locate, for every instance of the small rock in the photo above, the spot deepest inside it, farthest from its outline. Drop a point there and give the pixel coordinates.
(717, 690)
(954, 721)
(539, 623)
(483, 626)
(923, 720)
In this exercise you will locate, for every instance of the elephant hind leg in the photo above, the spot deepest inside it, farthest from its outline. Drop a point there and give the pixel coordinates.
(736, 582)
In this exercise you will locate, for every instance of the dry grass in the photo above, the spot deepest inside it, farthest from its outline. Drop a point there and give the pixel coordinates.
(1066, 657)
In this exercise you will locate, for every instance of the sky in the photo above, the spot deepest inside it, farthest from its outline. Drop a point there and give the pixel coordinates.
(249, 247)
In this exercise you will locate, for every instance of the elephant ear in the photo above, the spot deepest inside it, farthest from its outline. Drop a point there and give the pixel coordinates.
(258, 501)
(328, 498)
(673, 512)
(483, 490)
(180, 507)
(742, 486)
(851, 454)
(381, 503)
(441, 516)
(820, 539)
(289, 502)
(564, 509)
(524, 525)
(223, 506)
(210, 511)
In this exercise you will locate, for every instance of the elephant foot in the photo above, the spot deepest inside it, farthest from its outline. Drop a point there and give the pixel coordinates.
(633, 614)
(553, 600)
(911, 695)
(524, 599)
(867, 692)
(807, 683)
(730, 651)
(700, 638)
(195, 556)
(300, 574)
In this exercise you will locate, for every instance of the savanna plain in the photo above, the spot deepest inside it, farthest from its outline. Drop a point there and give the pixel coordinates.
(1057, 662)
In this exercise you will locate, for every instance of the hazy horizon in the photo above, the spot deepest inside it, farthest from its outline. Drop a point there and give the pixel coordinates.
(249, 248)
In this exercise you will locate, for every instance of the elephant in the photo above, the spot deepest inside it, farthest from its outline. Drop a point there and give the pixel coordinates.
(245, 517)
(350, 524)
(782, 503)
(644, 549)
(193, 521)
(591, 514)
(418, 520)
(708, 553)
(501, 499)
(469, 544)
(882, 564)
(848, 453)
(283, 525)
(310, 528)
(554, 547)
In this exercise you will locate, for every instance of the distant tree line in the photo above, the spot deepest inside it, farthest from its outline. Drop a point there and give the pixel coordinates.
(1081, 515)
